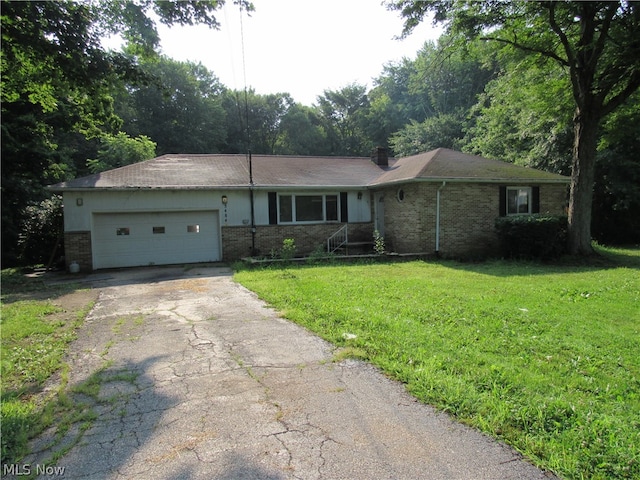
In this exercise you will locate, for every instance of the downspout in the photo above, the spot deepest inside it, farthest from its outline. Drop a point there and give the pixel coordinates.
(253, 215)
(438, 217)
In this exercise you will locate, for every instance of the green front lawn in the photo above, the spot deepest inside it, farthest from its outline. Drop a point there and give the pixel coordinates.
(35, 334)
(546, 358)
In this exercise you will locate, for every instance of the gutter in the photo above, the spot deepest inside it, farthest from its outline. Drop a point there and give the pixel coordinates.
(253, 186)
(503, 181)
(438, 216)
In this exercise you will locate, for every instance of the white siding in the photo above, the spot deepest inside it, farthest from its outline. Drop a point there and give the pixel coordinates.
(155, 238)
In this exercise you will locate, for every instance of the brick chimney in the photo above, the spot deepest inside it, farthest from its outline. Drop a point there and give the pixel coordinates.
(380, 156)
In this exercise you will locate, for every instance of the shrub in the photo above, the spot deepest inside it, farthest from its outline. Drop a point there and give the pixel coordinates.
(288, 249)
(41, 232)
(532, 236)
(378, 243)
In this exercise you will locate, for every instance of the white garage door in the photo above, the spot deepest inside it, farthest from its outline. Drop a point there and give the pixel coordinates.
(154, 238)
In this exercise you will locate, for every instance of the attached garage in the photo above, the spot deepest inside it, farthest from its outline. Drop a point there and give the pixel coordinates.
(155, 238)
(178, 209)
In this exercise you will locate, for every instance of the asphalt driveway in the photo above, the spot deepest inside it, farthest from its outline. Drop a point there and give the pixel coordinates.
(198, 379)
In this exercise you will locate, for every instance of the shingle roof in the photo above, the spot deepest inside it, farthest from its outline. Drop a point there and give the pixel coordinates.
(211, 171)
(444, 164)
(232, 171)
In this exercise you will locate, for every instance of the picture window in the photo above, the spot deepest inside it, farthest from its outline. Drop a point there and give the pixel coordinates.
(308, 208)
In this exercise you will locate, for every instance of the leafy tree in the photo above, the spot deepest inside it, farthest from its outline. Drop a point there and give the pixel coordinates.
(264, 114)
(524, 116)
(180, 110)
(301, 133)
(451, 74)
(394, 100)
(57, 81)
(432, 96)
(344, 113)
(616, 212)
(53, 79)
(596, 43)
(444, 131)
(41, 237)
(120, 150)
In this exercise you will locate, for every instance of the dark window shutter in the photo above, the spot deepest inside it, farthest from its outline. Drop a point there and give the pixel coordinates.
(503, 201)
(344, 209)
(273, 208)
(535, 199)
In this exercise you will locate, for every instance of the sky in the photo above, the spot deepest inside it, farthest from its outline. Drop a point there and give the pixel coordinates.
(300, 47)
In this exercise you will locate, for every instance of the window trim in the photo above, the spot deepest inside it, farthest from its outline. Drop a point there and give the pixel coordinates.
(294, 221)
(529, 191)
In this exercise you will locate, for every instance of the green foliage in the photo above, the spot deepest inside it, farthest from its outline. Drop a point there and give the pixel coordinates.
(64, 98)
(35, 336)
(300, 133)
(378, 243)
(31, 352)
(543, 357)
(42, 232)
(525, 116)
(320, 255)
(120, 150)
(442, 131)
(535, 236)
(343, 115)
(595, 45)
(181, 111)
(616, 212)
(267, 128)
(288, 250)
(58, 85)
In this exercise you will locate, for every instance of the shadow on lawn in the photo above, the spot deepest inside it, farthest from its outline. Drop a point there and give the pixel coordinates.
(603, 259)
(19, 285)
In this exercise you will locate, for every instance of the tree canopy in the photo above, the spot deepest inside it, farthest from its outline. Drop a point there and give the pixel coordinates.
(58, 83)
(70, 107)
(597, 45)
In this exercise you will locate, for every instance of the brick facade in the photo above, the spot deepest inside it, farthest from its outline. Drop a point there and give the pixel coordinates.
(236, 241)
(77, 248)
(467, 216)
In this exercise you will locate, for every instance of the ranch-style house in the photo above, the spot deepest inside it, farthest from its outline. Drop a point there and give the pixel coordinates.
(209, 208)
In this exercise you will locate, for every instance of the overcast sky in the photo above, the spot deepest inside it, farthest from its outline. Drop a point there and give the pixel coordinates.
(301, 47)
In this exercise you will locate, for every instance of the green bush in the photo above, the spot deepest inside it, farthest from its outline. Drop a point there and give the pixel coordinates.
(288, 249)
(41, 231)
(378, 243)
(535, 236)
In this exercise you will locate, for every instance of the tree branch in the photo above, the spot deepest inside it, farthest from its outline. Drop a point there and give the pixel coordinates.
(632, 85)
(527, 48)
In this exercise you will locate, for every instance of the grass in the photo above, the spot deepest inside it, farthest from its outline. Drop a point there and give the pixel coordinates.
(544, 357)
(35, 336)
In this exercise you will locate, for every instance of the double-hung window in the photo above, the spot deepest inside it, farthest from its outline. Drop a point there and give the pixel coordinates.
(308, 208)
(518, 200)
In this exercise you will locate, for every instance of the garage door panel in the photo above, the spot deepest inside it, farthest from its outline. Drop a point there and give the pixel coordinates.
(155, 238)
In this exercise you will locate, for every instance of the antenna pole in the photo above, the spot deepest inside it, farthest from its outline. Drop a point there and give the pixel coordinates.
(246, 113)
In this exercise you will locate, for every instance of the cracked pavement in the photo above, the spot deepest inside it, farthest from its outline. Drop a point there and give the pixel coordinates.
(199, 379)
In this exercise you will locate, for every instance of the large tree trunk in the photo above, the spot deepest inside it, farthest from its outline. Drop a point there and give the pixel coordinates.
(586, 123)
